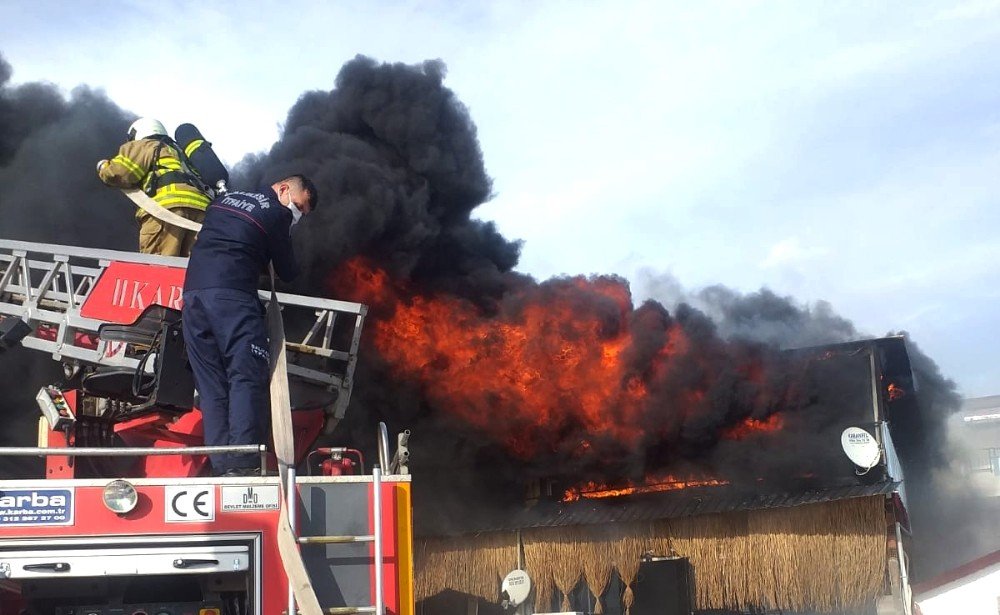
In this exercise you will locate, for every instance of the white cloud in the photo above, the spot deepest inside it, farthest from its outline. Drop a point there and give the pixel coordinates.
(790, 252)
(976, 9)
(851, 62)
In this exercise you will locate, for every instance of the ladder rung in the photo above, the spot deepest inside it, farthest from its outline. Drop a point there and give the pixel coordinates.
(349, 610)
(328, 540)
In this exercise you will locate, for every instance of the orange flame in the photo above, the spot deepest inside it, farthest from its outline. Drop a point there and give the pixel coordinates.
(550, 357)
(895, 392)
(751, 426)
(655, 484)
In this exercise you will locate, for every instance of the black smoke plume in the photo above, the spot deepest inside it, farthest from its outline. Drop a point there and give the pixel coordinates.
(49, 147)
(49, 193)
(399, 169)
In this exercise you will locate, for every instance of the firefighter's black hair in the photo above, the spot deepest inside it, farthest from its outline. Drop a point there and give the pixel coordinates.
(305, 184)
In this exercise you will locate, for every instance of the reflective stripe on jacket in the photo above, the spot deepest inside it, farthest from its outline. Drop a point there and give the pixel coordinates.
(136, 166)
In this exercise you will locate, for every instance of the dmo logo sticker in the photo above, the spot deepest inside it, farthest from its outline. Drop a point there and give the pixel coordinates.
(36, 507)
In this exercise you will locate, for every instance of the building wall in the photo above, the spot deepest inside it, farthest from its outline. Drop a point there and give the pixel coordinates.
(977, 430)
(977, 594)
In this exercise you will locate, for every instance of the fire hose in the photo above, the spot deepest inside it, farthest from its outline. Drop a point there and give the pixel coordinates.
(284, 449)
(281, 427)
(161, 213)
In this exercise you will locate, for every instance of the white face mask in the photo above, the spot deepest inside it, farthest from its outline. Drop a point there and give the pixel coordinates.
(296, 213)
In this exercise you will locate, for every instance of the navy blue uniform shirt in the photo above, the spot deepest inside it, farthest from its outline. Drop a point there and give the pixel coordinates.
(242, 231)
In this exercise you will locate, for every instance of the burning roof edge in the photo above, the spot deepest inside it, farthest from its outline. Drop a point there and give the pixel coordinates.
(893, 357)
(891, 342)
(693, 502)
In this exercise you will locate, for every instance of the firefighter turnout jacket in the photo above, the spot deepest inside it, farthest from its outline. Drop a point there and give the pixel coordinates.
(154, 165)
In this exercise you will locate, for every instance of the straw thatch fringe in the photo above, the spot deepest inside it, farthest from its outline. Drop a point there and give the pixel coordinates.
(469, 564)
(717, 547)
(597, 568)
(543, 593)
(564, 555)
(823, 557)
(538, 564)
(627, 553)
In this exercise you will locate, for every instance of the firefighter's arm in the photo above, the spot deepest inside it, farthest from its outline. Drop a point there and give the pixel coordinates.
(282, 253)
(121, 171)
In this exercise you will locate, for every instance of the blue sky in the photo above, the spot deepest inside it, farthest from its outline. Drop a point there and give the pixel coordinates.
(845, 152)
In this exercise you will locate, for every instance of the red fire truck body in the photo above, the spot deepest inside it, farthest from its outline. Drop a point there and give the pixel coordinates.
(48, 552)
(126, 519)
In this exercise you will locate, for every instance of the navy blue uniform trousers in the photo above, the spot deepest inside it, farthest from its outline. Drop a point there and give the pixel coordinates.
(226, 336)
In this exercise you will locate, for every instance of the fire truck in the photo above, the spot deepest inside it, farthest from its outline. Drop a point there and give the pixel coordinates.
(126, 519)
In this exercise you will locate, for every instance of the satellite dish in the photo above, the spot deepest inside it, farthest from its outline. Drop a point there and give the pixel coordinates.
(516, 586)
(860, 447)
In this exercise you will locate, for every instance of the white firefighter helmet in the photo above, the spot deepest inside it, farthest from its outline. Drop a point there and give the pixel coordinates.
(146, 127)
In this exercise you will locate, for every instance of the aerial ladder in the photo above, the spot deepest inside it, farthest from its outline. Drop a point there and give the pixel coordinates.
(126, 519)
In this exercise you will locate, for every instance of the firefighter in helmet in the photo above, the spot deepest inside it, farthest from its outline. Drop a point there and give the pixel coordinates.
(150, 160)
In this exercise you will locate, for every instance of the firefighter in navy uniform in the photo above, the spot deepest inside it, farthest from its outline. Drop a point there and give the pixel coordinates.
(150, 160)
(225, 328)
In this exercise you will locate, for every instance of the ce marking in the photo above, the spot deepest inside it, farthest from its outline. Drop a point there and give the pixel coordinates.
(189, 503)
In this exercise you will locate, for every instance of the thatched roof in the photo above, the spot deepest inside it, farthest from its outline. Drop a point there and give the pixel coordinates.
(824, 557)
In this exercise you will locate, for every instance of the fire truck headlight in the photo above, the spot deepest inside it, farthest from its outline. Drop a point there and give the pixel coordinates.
(120, 496)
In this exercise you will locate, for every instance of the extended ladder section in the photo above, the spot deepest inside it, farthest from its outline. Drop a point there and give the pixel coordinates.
(65, 294)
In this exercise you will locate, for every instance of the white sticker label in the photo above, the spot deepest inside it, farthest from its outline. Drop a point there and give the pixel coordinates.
(189, 503)
(38, 507)
(250, 497)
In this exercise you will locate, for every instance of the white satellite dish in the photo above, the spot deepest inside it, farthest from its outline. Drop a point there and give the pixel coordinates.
(861, 447)
(516, 585)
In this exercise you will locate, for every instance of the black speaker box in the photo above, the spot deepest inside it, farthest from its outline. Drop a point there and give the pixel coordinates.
(664, 586)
